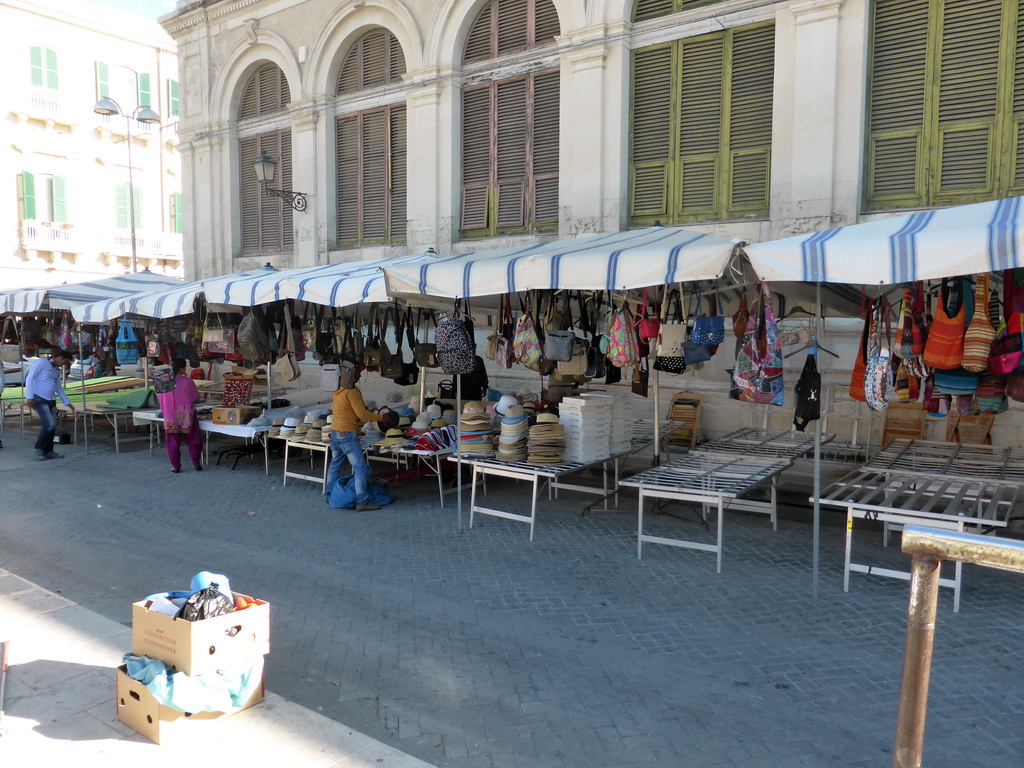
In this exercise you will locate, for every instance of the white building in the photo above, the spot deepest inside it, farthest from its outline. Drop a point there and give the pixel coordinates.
(65, 199)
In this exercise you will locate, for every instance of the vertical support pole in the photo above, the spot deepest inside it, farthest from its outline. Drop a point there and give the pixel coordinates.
(917, 661)
(458, 442)
(657, 419)
(81, 361)
(817, 461)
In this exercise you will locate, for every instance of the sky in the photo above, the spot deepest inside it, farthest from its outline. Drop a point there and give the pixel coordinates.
(150, 9)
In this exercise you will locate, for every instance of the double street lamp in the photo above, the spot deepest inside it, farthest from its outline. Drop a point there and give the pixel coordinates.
(142, 114)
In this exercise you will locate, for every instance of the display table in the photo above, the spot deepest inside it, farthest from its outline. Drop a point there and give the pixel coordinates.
(959, 503)
(324, 448)
(713, 480)
(112, 415)
(785, 444)
(520, 470)
(944, 459)
(155, 422)
(433, 460)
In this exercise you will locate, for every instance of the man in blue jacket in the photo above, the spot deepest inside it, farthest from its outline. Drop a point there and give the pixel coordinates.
(42, 388)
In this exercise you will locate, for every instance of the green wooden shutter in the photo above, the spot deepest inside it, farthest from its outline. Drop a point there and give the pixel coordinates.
(35, 63)
(398, 166)
(701, 107)
(896, 103)
(178, 213)
(102, 80)
(137, 205)
(651, 139)
(28, 195)
(968, 100)
(476, 157)
(652, 9)
(750, 120)
(546, 136)
(347, 179)
(60, 199)
(43, 67)
(51, 69)
(1016, 129)
(121, 220)
(172, 98)
(145, 100)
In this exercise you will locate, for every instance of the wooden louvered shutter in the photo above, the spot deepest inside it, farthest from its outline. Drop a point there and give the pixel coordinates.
(28, 195)
(700, 125)
(651, 167)
(60, 200)
(511, 152)
(896, 102)
(102, 80)
(478, 42)
(396, 59)
(121, 206)
(177, 213)
(1016, 135)
(546, 133)
(512, 25)
(545, 26)
(348, 77)
(268, 97)
(136, 205)
(398, 165)
(476, 156)
(750, 121)
(375, 59)
(347, 193)
(249, 194)
(374, 154)
(968, 99)
(652, 9)
(145, 97)
(282, 210)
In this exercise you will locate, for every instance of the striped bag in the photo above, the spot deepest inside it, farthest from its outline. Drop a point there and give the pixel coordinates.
(980, 333)
(945, 346)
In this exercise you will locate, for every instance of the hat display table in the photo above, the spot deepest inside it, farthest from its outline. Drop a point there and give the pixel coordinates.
(324, 448)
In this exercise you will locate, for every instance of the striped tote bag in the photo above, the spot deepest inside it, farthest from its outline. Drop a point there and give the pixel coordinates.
(980, 333)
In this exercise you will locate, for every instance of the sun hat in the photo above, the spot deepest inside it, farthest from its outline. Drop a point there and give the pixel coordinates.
(547, 418)
(292, 422)
(514, 412)
(439, 423)
(393, 437)
(474, 406)
(422, 421)
(435, 411)
(506, 400)
(404, 421)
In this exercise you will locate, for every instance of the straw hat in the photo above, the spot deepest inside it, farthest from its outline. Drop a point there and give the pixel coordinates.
(422, 421)
(404, 421)
(393, 437)
(474, 406)
(514, 412)
(506, 401)
(547, 418)
(435, 411)
(292, 422)
(439, 423)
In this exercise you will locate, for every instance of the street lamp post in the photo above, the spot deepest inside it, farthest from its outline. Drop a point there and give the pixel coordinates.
(145, 115)
(265, 167)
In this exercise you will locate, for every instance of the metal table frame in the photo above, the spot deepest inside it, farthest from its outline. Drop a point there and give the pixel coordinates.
(323, 447)
(751, 441)
(898, 498)
(715, 481)
(432, 460)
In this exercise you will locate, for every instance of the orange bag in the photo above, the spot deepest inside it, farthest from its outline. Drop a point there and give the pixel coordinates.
(860, 364)
(945, 346)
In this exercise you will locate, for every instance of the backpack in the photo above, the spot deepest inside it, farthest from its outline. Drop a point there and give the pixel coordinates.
(623, 349)
(455, 347)
(164, 380)
(808, 394)
(252, 339)
(347, 375)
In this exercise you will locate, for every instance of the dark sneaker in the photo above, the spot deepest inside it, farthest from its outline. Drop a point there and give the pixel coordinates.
(54, 455)
(199, 467)
(367, 507)
(40, 456)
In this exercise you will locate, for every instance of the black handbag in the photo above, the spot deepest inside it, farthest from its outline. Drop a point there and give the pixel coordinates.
(641, 378)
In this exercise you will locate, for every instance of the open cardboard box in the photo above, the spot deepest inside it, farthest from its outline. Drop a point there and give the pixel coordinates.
(201, 647)
(138, 709)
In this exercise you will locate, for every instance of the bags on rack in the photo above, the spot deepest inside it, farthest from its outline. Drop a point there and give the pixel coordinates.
(163, 379)
(758, 372)
(558, 345)
(808, 394)
(710, 330)
(330, 377)
(577, 365)
(878, 373)
(127, 344)
(641, 378)
(945, 346)
(455, 347)
(1005, 354)
(287, 367)
(504, 337)
(349, 373)
(980, 333)
(623, 349)
(672, 336)
(253, 342)
(649, 327)
(525, 342)
(860, 362)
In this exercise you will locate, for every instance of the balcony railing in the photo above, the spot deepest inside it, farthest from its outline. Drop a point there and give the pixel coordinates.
(45, 101)
(50, 236)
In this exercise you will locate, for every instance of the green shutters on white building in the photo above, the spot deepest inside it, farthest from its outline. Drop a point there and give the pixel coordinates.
(28, 195)
(102, 81)
(145, 98)
(945, 102)
(172, 98)
(122, 215)
(43, 67)
(701, 127)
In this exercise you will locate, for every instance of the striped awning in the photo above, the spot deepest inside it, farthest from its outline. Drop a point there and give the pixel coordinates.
(962, 240)
(69, 295)
(623, 260)
(346, 284)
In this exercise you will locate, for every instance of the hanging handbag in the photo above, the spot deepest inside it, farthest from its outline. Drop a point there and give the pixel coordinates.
(641, 378)
(672, 334)
(808, 394)
(526, 343)
(904, 346)
(287, 367)
(908, 385)
(127, 345)
(945, 346)
(710, 330)
(9, 353)
(391, 364)
(425, 352)
(623, 349)
(330, 377)
(980, 333)
(649, 326)
(860, 362)
(504, 336)
(878, 375)
(455, 347)
(372, 348)
(758, 372)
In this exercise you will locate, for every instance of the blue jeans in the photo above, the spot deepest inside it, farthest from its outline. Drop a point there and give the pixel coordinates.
(47, 412)
(346, 445)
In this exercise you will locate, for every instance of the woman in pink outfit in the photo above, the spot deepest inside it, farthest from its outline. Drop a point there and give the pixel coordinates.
(180, 423)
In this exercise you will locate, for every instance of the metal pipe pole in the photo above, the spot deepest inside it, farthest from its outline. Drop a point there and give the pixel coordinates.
(81, 361)
(656, 461)
(131, 194)
(917, 661)
(818, 326)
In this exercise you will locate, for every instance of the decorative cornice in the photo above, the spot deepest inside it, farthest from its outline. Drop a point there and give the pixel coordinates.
(811, 11)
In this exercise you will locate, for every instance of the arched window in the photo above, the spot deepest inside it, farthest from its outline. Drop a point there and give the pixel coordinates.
(945, 107)
(370, 152)
(266, 221)
(702, 127)
(510, 126)
(652, 9)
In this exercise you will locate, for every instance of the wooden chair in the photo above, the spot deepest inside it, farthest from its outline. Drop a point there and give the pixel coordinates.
(903, 420)
(684, 410)
(970, 428)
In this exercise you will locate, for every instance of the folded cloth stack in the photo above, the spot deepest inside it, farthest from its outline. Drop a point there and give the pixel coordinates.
(547, 441)
(515, 427)
(475, 428)
(438, 439)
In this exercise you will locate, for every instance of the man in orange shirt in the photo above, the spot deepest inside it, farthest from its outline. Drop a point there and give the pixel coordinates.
(348, 413)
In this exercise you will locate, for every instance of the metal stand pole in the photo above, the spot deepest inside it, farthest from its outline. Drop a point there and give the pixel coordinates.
(817, 462)
(81, 360)
(657, 419)
(458, 443)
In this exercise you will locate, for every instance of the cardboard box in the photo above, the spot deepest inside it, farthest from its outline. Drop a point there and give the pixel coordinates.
(241, 414)
(138, 709)
(200, 647)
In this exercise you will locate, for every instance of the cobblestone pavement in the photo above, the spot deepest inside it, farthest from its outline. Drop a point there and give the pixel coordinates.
(477, 648)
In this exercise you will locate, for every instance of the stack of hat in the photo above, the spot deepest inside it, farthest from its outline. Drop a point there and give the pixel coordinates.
(289, 426)
(275, 427)
(303, 429)
(419, 426)
(316, 431)
(475, 428)
(435, 411)
(515, 426)
(530, 408)
(547, 441)
(449, 416)
(393, 437)
(504, 403)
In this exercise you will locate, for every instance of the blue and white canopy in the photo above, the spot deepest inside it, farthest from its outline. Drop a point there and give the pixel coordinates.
(619, 261)
(962, 240)
(66, 296)
(342, 285)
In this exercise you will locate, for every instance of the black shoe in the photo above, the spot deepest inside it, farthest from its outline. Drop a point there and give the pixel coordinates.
(54, 455)
(199, 467)
(40, 456)
(175, 471)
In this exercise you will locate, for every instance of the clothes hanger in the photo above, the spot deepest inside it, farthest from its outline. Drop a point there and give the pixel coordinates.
(797, 310)
(814, 348)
